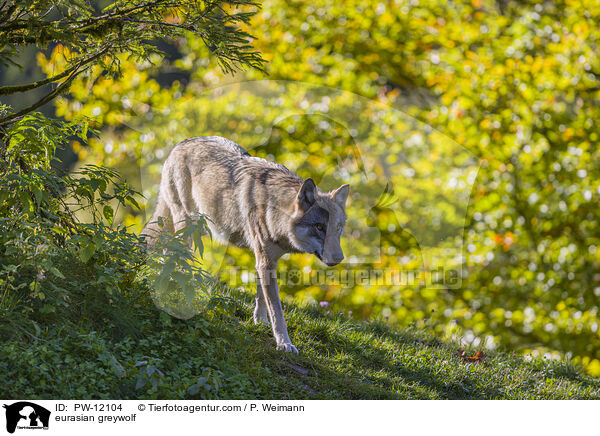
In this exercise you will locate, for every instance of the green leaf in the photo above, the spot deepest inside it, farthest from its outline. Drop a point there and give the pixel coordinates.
(165, 318)
(37, 193)
(85, 191)
(197, 237)
(46, 308)
(56, 272)
(180, 278)
(26, 201)
(87, 252)
(98, 239)
(140, 384)
(133, 201)
(108, 213)
(84, 130)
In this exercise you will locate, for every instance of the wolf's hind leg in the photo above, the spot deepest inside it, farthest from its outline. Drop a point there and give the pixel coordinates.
(180, 198)
(261, 314)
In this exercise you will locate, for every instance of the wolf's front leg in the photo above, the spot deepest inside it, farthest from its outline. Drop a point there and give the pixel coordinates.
(267, 274)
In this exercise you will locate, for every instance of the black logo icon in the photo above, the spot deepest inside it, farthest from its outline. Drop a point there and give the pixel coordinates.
(26, 415)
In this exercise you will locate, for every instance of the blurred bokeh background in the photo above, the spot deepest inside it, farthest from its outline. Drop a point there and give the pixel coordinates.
(467, 129)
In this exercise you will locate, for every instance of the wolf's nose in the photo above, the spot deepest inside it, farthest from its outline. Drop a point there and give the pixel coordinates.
(335, 261)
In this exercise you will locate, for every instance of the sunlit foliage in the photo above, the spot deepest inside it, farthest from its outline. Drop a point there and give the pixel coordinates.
(515, 84)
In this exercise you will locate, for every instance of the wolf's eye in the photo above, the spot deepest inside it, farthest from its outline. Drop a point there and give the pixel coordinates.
(320, 227)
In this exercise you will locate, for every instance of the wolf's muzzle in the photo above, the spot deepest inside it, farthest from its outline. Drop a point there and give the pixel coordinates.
(334, 262)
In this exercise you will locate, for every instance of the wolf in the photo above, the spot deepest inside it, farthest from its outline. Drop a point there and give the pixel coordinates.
(252, 203)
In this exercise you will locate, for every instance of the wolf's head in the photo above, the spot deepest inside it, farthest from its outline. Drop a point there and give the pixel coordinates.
(319, 221)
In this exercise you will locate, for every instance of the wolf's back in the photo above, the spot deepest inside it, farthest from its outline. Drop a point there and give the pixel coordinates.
(200, 174)
(216, 177)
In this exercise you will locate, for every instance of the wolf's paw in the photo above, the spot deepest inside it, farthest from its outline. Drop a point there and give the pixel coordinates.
(287, 347)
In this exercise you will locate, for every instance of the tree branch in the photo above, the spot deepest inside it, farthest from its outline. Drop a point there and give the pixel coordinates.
(39, 103)
(50, 96)
(7, 90)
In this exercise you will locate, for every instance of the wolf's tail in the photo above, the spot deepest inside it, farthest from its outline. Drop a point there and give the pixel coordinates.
(163, 213)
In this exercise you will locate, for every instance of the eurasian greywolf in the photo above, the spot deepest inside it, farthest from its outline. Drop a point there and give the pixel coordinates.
(252, 203)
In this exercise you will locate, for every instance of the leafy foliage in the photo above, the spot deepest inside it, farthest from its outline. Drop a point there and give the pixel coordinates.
(181, 287)
(56, 268)
(516, 85)
(89, 36)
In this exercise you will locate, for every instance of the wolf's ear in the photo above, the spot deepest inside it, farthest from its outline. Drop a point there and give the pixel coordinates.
(307, 194)
(340, 195)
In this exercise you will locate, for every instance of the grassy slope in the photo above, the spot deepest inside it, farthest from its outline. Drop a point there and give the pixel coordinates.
(221, 354)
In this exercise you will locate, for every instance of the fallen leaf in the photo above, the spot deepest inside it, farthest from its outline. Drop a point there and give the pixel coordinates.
(478, 357)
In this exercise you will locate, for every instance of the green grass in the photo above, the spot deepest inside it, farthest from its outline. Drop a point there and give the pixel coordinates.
(221, 354)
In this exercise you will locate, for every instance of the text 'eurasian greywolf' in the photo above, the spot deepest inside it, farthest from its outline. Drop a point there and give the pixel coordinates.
(251, 203)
